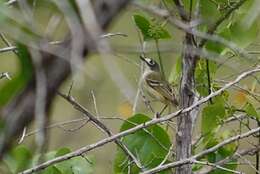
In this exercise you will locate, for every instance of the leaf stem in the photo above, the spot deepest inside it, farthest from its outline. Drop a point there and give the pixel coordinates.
(160, 59)
(209, 82)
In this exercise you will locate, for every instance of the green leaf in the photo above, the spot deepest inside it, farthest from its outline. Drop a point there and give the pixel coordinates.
(18, 159)
(62, 151)
(150, 146)
(211, 116)
(77, 165)
(216, 46)
(18, 82)
(82, 166)
(251, 111)
(176, 72)
(51, 170)
(201, 76)
(221, 153)
(186, 4)
(209, 11)
(242, 34)
(150, 29)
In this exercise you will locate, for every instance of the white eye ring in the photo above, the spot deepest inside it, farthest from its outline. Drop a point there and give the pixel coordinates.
(151, 62)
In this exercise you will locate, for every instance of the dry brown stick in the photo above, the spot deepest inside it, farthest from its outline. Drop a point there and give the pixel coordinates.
(138, 127)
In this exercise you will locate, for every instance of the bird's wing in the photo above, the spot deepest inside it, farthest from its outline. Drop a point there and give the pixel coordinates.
(161, 87)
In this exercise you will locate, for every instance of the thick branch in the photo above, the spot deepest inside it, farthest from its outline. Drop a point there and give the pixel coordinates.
(187, 96)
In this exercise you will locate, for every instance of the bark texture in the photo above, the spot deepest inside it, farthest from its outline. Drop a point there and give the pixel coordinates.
(187, 98)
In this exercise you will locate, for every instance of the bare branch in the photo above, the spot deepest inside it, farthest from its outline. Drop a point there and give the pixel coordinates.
(236, 156)
(217, 166)
(102, 126)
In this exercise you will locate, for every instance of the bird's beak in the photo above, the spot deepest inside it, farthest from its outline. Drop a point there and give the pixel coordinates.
(143, 58)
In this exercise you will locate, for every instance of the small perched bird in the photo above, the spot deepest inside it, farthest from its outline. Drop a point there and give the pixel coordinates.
(155, 84)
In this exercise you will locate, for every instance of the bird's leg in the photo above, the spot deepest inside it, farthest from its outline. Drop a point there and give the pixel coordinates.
(158, 114)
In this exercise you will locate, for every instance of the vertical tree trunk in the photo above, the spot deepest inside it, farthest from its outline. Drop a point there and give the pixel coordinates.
(187, 96)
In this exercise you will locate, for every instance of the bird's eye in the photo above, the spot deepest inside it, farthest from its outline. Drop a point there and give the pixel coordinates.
(151, 62)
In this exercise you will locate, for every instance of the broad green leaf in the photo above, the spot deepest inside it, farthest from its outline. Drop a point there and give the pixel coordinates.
(150, 29)
(251, 111)
(150, 146)
(211, 116)
(18, 159)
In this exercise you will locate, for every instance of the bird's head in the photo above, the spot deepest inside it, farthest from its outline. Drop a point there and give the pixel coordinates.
(150, 64)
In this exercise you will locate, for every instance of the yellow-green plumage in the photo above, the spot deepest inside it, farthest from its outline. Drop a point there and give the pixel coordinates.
(158, 88)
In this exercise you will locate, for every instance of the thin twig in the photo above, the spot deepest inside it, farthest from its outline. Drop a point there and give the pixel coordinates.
(167, 156)
(95, 103)
(233, 157)
(23, 135)
(217, 166)
(5, 40)
(107, 35)
(249, 163)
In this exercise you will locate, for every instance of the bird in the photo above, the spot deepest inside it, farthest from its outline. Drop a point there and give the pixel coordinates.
(155, 84)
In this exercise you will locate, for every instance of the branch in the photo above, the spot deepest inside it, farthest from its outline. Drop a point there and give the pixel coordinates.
(214, 27)
(100, 125)
(189, 28)
(138, 127)
(217, 166)
(180, 7)
(236, 156)
(203, 153)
